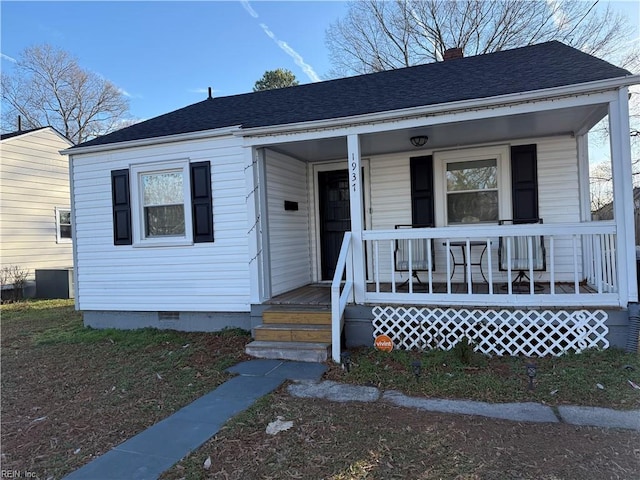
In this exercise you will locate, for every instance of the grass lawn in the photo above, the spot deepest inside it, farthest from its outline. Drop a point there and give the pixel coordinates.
(70, 394)
(593, 378)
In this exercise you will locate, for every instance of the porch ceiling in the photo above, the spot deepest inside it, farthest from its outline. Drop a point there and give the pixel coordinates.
(450, 135)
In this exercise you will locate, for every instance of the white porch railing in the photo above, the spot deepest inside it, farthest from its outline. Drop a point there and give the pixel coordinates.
(340, 296)
(580, 266)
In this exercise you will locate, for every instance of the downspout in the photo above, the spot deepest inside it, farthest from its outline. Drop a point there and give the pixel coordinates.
(582, 146)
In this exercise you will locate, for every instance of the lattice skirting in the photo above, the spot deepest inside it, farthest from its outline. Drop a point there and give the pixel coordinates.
(493, 332)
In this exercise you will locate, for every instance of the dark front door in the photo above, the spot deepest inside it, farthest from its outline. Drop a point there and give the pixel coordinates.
(335, 217)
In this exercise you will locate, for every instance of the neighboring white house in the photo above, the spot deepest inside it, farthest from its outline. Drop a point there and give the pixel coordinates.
(201, 218)
(35, 202)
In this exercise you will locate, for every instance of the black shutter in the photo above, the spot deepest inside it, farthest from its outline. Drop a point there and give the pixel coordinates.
(121, 207)
(201, 202)
(524, 182)
(422, 191)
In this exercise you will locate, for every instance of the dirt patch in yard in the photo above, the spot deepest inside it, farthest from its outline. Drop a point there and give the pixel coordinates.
(378, 441)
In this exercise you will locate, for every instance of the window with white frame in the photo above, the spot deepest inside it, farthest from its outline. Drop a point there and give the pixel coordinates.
(473, 185)
(161, 203)
(63, 225)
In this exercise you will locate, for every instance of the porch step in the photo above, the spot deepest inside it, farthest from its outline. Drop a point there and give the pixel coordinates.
(293, 332)
(299, 315)
(299, 351)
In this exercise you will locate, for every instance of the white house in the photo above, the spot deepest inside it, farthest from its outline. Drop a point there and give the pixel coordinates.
(35, 202)
(209, 216)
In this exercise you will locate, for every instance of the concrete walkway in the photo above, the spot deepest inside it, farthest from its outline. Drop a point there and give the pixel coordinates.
(156, 449)
(517, 412)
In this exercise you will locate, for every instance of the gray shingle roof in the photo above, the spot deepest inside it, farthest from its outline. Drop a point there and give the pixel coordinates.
(524, 69)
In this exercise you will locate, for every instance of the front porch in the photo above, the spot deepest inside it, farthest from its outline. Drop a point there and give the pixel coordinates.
(484, 230)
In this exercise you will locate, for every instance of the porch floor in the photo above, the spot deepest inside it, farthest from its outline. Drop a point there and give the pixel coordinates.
(312, 294)
(320, 294)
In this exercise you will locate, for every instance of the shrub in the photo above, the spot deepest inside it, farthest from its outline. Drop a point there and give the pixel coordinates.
(16, 277)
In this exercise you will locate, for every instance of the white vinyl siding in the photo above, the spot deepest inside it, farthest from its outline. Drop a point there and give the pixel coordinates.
(557, 185)
(205, 277)
(559, 196)
(34, 180)
(390, 199)
(289, 239)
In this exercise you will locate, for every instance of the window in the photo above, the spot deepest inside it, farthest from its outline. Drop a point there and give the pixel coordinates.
(161, 204)
(472, 185)
(63, 225)
(472, 191)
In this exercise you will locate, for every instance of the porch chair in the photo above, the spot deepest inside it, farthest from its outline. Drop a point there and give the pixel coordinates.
(419, 259)
(519, 257)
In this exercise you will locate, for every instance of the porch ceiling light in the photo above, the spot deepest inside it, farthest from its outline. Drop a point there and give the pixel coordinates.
(419, 140)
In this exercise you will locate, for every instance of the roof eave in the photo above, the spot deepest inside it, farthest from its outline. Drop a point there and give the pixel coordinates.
(37, 130)
(574, 89)
(143, 142)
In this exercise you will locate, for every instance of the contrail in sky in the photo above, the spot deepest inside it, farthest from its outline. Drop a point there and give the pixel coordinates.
(7, 57)
(297, 58)
(284, 46)
(249, 9)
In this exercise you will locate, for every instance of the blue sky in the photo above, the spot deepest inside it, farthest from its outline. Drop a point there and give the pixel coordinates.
(165, 54)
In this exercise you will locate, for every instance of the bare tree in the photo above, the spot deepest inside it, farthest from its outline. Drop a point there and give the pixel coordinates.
(381, 35)
(50, 88)
(601, 179)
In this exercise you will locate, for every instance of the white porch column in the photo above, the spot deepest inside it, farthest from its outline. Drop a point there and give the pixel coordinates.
(259, 279)
(357, 216)
(623, 195)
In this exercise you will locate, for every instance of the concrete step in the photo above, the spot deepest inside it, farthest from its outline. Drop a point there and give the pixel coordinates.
(285, 332)
(297, 315)
(300, 351)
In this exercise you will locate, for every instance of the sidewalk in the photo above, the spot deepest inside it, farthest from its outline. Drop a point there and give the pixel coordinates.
(156, 449)
(517, 412)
